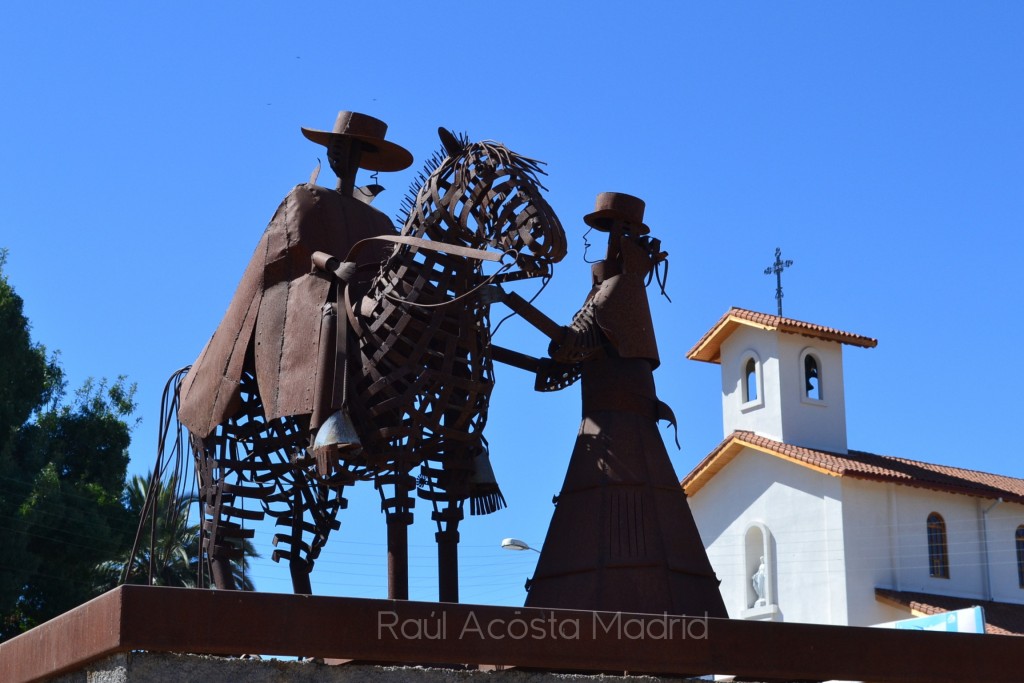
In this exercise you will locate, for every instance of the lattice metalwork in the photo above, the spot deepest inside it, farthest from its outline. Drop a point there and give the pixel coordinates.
(427, 372)
(406, 354)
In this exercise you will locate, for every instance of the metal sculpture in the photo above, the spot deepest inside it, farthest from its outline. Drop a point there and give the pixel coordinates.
(424, 340)
(622, 537)
(326, 371)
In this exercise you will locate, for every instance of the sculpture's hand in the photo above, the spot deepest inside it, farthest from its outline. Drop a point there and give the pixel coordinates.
(343, 270)
(576, 346)
(552, 375)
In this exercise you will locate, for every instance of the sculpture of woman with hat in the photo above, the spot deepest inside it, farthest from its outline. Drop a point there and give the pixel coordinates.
(270, 337)
(622, 537)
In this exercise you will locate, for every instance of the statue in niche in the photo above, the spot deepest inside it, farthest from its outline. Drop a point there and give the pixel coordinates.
(759, 581)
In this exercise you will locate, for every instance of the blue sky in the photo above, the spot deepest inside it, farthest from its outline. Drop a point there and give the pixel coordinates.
(880, 145)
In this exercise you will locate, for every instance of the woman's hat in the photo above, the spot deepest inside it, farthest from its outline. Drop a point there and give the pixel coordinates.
(378, 154)
(611, 206)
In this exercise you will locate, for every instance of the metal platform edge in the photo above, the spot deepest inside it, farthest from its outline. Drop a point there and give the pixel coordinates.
(233, 623)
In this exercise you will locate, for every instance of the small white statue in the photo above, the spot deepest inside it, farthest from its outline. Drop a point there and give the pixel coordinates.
(758, 580)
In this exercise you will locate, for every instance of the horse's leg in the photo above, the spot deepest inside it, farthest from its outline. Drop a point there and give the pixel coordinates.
(290, 546)
(329, 502)
(312, 510)
(211, 492)
(447, 538)
(449, 484)
(298, 566)
(446, 486)
(222, 536)
(398, 511)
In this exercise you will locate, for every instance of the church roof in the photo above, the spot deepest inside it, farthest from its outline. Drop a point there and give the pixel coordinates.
(860, 465)
(1001, 618)
(708, 349)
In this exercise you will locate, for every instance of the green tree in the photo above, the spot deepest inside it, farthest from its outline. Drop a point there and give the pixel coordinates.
(172, 544)
(27, 381)
(62, 471)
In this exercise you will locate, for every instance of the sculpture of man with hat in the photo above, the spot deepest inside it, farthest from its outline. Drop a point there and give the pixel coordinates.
(271, 332)
(622, 537)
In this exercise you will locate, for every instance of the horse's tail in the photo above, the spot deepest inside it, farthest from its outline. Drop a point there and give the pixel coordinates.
(485, 496)
(171, 470)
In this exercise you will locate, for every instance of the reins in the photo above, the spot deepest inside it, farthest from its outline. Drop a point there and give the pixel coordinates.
(502, 275)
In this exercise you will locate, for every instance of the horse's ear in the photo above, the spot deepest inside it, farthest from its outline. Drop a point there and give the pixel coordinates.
(450, 142)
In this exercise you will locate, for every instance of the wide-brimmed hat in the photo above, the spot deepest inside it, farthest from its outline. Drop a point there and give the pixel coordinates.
(610, 206)
(378, 154)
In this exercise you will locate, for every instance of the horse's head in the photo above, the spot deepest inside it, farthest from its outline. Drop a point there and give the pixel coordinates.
(483, 195)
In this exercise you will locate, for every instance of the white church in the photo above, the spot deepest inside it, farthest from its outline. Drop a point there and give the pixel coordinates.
(800, 528)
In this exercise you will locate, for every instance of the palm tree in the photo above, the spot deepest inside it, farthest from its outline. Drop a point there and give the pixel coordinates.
(169, 546)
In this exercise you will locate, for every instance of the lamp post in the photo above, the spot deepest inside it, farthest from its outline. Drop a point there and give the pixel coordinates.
(516, 544)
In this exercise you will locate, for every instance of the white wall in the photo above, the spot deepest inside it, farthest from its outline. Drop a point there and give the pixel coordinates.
(763, 417)
(836, 539)
(1002, 523)
(960, 513)
(886, 535)
(783, 412)
(872, 556)
(812, 424)
(802, 510)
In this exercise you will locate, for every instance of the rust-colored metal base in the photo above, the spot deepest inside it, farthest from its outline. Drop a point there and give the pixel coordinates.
(235, 623)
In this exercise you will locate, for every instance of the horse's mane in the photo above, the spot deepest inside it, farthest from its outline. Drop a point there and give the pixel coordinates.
(530, 168)
(429, 166)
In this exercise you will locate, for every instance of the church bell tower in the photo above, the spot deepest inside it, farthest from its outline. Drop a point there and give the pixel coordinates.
(781, 378)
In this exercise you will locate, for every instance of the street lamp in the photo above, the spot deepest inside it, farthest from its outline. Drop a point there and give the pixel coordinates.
(516, 544)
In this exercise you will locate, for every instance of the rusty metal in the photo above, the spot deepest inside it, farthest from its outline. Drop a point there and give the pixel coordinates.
(426, 369)
(372, 347)
(622, 536)
(232, 623)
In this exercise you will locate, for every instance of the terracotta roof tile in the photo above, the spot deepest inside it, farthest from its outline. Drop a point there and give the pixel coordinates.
(1001, 618)
(708, 348)
(863, 465)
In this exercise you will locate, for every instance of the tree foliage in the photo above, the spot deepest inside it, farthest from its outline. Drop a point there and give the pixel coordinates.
(62, 473)
(169, 544)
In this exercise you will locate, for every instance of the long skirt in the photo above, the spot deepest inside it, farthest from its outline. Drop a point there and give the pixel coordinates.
(622, 537)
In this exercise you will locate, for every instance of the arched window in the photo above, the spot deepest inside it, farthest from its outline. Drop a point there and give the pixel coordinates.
(938, 551)
(812, 378)
(1020, 555)
(750, 381)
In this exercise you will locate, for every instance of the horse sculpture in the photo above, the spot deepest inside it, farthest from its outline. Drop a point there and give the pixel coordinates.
(412, 369)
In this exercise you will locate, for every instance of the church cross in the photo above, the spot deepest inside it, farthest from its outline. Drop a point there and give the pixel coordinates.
(777, 268)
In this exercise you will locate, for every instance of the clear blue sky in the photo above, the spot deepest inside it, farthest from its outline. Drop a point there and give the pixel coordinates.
(880, 144)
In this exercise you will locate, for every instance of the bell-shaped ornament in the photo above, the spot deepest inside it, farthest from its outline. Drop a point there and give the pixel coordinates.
(335, 440)
(337, 435)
